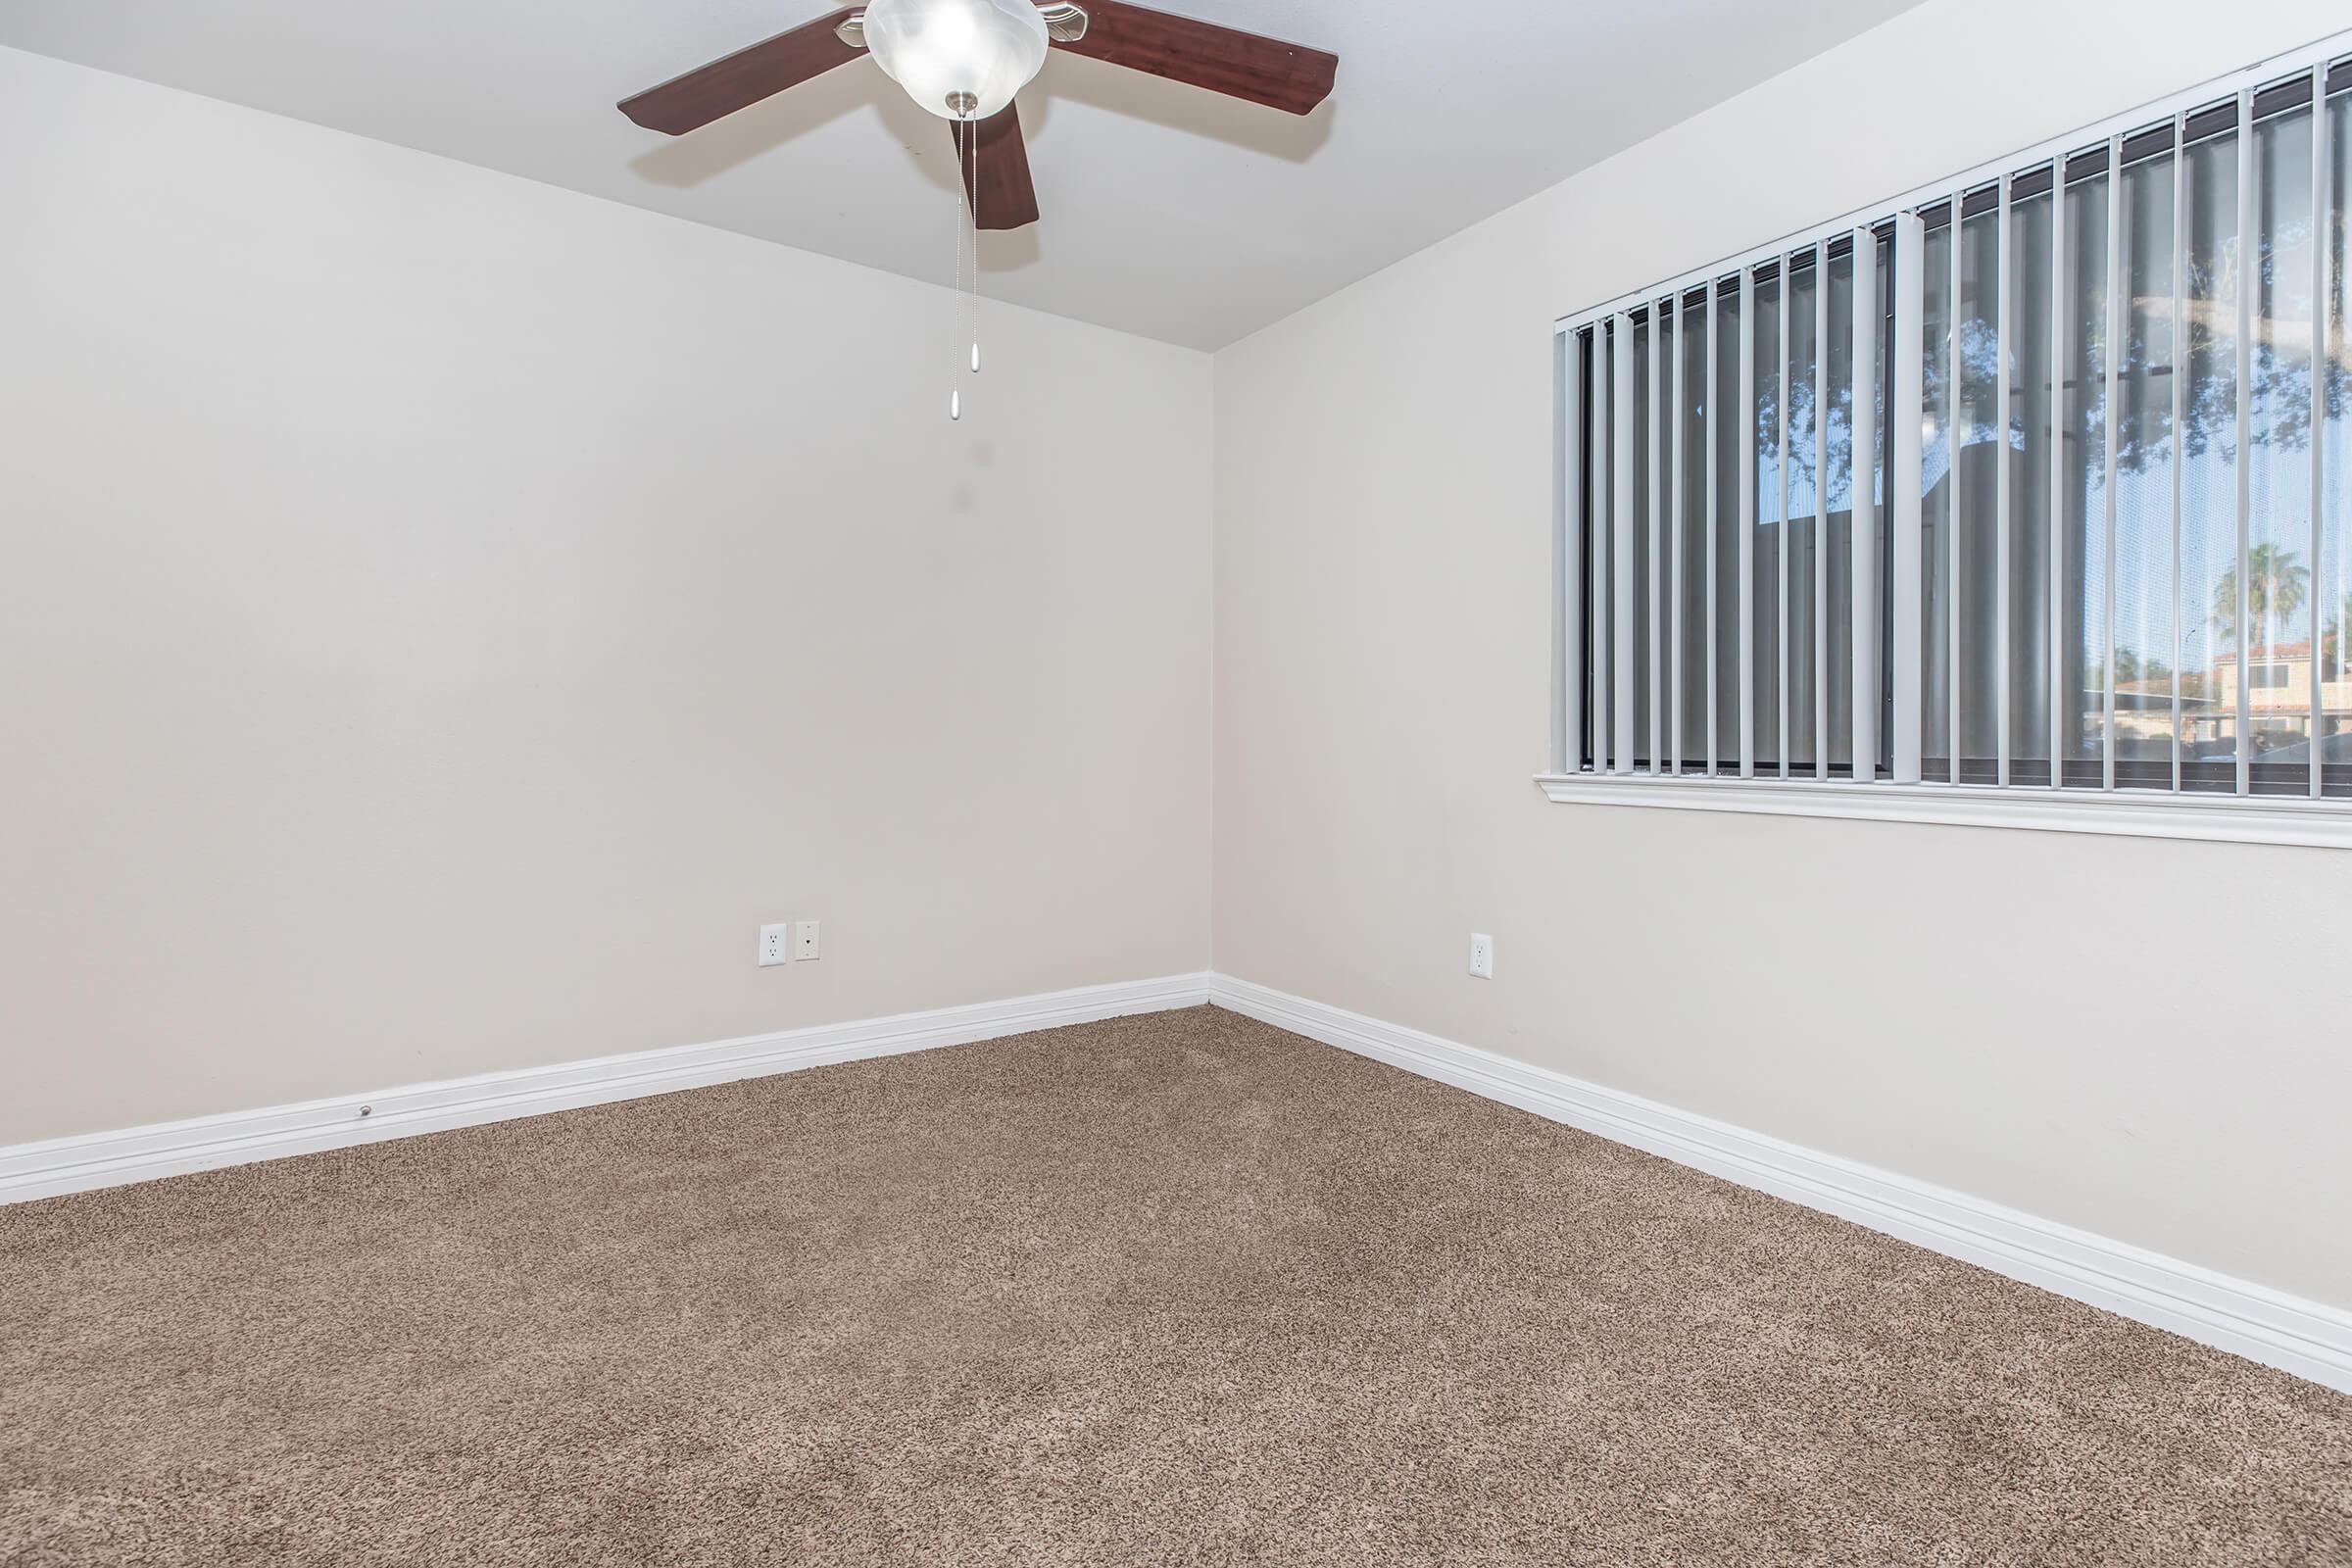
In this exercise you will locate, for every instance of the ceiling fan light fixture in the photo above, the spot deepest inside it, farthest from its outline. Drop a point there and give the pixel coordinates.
(958, 59)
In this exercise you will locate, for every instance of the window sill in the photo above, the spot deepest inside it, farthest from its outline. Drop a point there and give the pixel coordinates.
(2222, 818)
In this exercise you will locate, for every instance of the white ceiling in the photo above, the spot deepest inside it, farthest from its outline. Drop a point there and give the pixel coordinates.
(1168, 211)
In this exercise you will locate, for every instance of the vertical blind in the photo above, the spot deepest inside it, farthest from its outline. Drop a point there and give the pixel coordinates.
(2036, 481)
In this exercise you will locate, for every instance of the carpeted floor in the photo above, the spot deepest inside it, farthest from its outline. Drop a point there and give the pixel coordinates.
(1175, 1289)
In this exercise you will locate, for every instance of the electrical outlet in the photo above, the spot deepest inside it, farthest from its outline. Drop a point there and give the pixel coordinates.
(775, 945)
(804, 939)
(1481, 956)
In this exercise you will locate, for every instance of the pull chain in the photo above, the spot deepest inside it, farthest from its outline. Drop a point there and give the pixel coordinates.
(955, 393)
(971, 183)
(968, 254)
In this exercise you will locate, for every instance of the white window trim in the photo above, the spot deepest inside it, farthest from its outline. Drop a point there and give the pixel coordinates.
(2216, 819)
(2323, 823)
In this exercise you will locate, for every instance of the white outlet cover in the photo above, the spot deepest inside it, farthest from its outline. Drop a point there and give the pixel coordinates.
(805, 940)
(1481, 956)
(775, 945)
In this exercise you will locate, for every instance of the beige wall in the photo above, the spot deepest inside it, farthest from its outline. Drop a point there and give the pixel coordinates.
(442, 616)
(2025, 1016)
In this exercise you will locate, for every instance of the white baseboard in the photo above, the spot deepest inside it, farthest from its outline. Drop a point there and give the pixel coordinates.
(2306, 1337)
(207, 1142)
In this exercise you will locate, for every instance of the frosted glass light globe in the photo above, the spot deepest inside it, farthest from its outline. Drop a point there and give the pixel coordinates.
(959, 59)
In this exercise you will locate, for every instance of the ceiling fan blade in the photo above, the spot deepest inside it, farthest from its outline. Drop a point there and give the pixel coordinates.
(717, 91)
(996, 174)
(1239, 64)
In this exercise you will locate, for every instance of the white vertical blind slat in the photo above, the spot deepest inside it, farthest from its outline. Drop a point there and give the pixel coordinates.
(1952, 438)
(2323, 228)
(2246, 245)
(1714, 385)
(1821, 510)
(1621, 610)
(1863, 535)
(2178, 374)
(2057, 504)
(1655, 555)
(2003, 522)
(1747, 414)
(1568, 657)
(1779, 526)
(1603, 528)
(2113, 363)
(1675, 633)
(1906, 402)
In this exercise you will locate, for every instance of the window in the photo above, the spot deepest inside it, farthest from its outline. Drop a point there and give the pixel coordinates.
(2029, 488)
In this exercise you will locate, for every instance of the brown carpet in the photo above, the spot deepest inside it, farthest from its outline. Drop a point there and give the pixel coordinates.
(1176, 1289)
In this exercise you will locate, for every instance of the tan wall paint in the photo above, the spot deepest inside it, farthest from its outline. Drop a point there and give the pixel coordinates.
(2029, 1017)
(441, 617)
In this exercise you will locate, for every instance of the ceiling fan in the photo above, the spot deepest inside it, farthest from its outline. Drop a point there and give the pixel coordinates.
(964, 60)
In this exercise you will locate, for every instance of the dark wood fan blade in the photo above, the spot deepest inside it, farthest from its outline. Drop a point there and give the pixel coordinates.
(996, 176)
(717, 91)
(1239, 64)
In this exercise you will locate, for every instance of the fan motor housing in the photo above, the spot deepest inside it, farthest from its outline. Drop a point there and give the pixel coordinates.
(1064, 23)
